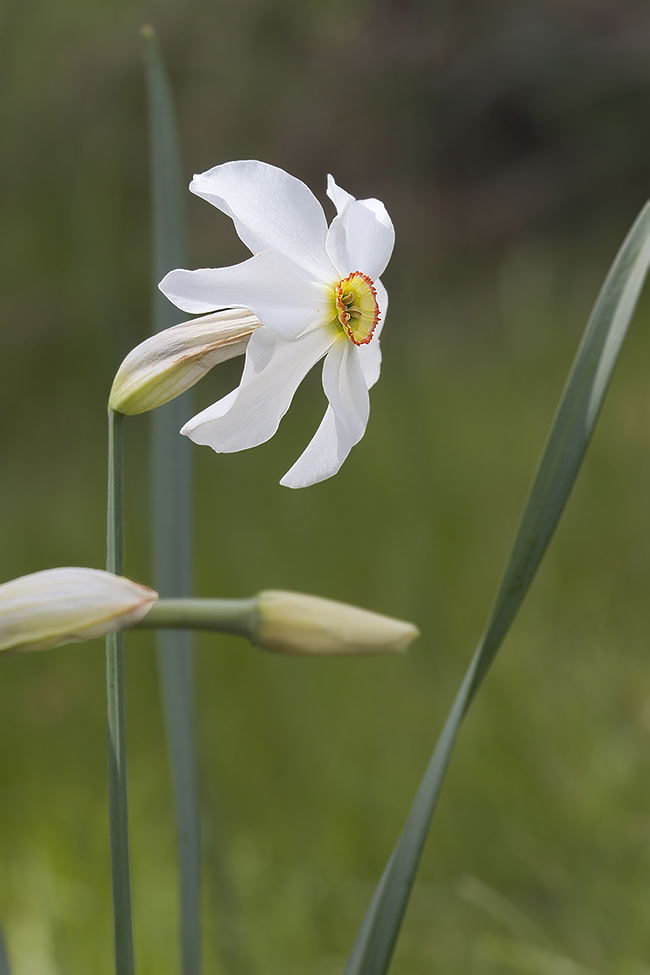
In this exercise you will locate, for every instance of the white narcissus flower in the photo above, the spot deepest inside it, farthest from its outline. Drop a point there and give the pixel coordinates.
(317, 292)
(68, 605)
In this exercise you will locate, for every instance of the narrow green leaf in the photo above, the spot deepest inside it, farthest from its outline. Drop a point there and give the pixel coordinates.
(569, 437)
(172, 507)
(571, 431)
(5, 968)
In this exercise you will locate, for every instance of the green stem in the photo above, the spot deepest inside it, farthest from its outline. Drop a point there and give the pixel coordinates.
(5, 968)
(117, 800)
(223, 615)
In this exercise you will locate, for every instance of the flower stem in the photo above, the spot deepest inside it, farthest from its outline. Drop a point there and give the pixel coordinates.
(117, 800)
(223, 615)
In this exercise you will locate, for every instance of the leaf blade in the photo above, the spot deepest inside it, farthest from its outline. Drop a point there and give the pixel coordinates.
(569, 437)
(171, 481)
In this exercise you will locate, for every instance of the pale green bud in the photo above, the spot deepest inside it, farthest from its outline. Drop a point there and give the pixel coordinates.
(68, 605)
(169, 362)
(291, 622)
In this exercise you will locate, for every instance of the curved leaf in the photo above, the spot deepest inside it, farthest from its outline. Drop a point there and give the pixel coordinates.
(568, 440)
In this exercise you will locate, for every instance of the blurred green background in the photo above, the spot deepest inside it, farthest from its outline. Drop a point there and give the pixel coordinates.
(511, 145)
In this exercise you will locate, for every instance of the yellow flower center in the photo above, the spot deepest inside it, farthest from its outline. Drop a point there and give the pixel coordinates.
(356, 307)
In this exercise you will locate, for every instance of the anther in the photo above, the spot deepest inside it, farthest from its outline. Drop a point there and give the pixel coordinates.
(354, 312)
(347, 299)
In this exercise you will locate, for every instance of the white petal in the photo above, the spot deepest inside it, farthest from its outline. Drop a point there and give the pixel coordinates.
(370, 361)
(339, 197)
(271, 209)
(337, 248)
(370, 354)
(345, 387)
(284, 296)
(250, 414)
(344, 422)
(336, 237)
(361, 238)
(324, 455)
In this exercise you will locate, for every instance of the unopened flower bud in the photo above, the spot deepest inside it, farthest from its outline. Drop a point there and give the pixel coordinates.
(68, 605)
(169, 362)
(291, 622)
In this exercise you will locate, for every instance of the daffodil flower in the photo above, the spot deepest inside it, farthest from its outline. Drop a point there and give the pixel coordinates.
(318, 294)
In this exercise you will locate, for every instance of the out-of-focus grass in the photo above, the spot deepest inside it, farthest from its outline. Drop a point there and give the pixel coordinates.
(541, 846)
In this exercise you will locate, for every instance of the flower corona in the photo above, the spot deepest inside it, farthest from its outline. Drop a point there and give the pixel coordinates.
(356, 307)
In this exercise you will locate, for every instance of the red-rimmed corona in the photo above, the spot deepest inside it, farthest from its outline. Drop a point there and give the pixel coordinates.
(318, 293)
(356, 307)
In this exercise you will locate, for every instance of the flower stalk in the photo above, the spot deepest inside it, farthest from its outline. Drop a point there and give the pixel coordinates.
(239, 616)
(117, 790)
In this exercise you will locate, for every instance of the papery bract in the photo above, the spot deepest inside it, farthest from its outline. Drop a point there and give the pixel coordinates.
(169, 362)
(67, 605)
(318, 293)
